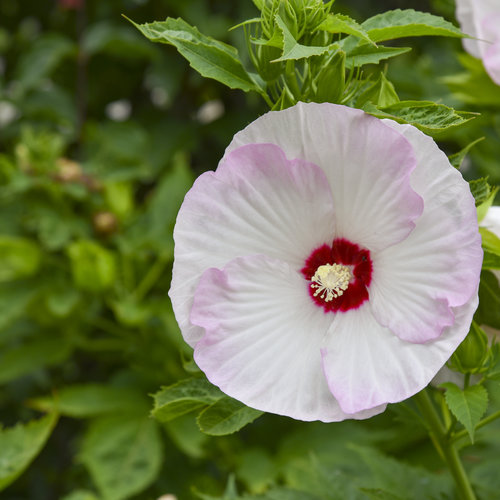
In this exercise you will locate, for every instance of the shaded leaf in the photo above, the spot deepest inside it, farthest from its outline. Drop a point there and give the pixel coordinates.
(488, 311)
(32, 355)
(123, 455)
(90, 400)
(19, 258)
(93, 267)
(19, 445)
(457, 158)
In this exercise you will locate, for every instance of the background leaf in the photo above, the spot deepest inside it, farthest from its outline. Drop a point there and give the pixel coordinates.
(19, 445)
(123, 454)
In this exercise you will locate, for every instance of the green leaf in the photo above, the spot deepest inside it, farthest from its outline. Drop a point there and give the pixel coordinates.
(19, 445)
(429, 117)
(19, 258)
(14, 299)
(90, 400)
(473, 86)
(80, 495)
(381, 93)
(491, 261)
(378, 494)
(367, 54)
(472, 352)
(488, 311)
(294, 50)
(402, 23)
(480, 189)
(490, 241)
(93, 267)
(230, 493)
(468, 405)
(32, 355)
(484, 206)
(338, 23)
(187, 436)
(457, 158)
(42, 58)
(330, 81)
(226, 416)
(211, 58)
(123, 454)
(116, 40)
(183, 397)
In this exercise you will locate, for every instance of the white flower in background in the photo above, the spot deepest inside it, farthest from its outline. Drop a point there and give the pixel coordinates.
(492, 222)
(481, 20)
(329, 266)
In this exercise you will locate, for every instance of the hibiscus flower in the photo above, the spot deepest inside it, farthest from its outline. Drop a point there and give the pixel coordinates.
(481, 20)
(329, 266)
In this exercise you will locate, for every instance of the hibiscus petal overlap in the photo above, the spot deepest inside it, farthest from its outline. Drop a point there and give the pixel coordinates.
(329, 266)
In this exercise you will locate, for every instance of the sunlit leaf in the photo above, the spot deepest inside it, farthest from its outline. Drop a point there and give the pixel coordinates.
(468, 405)
(211, 58)
(226, 416)
(183, 397)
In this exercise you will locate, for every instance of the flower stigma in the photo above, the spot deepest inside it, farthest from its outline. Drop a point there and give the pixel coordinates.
(331, 280)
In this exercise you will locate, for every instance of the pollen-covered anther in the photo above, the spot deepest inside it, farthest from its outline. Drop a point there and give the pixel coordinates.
(331, 280)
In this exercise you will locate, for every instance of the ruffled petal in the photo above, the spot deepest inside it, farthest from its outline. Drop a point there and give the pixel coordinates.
(256, 202)
(469, 20)
(262, 337)
(492, 59)
(417, 283)
(367, 164)
(366, 364)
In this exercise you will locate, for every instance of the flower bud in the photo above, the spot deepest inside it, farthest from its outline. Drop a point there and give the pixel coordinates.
(472, 352)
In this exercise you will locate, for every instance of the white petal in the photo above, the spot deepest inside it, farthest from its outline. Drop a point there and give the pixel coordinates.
(417, 282)
(366, 364)
(367, 164)
(256, 202)
(262, 339)
(491, 222)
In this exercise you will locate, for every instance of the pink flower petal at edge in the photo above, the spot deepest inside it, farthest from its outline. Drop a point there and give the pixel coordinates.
(492, 60)
(418, 284)
(366, 364)
(481, 20)
(366, 162)
(262, 339)
(258, 202)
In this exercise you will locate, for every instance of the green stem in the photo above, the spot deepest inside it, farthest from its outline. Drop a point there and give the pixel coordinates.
(463, 433)
(291, 79)
(152, 276)
(444, 445)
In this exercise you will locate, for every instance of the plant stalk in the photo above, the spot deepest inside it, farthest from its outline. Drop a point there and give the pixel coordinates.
(444, 445)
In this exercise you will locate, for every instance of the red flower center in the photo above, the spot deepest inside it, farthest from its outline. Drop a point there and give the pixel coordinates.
(326, 270)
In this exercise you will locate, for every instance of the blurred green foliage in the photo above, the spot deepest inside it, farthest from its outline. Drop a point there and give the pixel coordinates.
(101, 135)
